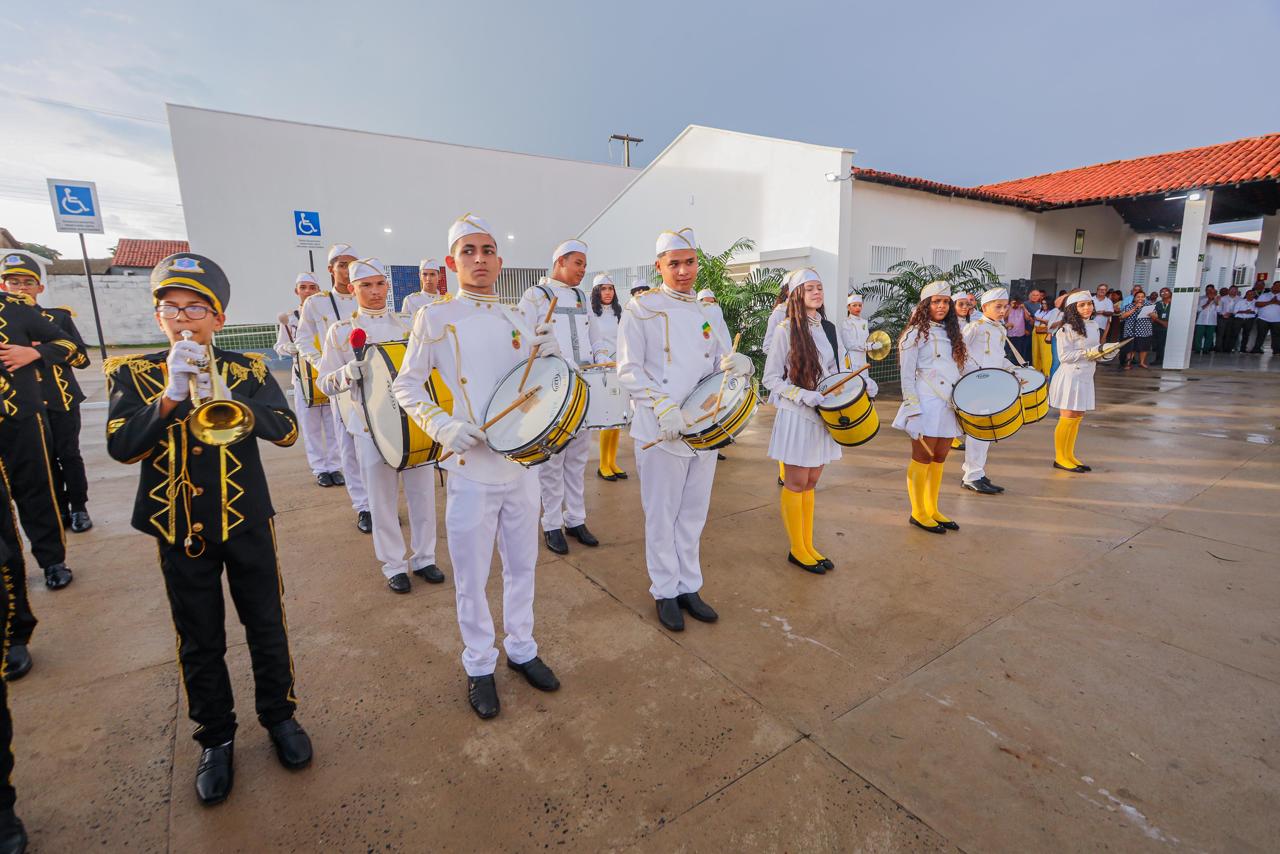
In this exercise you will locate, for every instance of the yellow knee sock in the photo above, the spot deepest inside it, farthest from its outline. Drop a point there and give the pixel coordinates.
(806, 507)
(935, 486)
(613, 437)
(782, 473)
(604, 452)
(957, 441)
(917, 488)
(1061, 441)
(793, 521)
(1071, 440)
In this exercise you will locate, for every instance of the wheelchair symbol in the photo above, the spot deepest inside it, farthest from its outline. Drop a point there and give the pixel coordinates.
(306, 223)
(72, 204)
(305, 226)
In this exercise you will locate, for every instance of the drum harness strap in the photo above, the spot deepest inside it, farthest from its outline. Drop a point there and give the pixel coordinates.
(579, 309)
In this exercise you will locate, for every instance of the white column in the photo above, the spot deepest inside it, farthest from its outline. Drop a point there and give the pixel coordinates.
(1268, 247)
(1186, 288)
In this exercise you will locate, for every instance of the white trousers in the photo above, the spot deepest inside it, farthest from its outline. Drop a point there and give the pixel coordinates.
(345, 445)
(317, 431)
(383, 483)
(560, 480)
(475, 515)
(975, 459)
(675, 493)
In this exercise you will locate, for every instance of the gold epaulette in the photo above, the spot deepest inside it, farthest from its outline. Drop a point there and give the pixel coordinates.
(68, 309)
(21, 299)
(442, 298)
(137, 364)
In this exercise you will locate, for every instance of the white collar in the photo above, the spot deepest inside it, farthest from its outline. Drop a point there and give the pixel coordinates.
(674, 294)
(478, 299)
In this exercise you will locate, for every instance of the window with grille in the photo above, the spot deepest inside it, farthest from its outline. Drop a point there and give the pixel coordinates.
(1173, 271)
(998, 259)
(1222, 277)
(1238, 274)
(884, 257)
(514, 281)
(1142, 273)
(945, 259)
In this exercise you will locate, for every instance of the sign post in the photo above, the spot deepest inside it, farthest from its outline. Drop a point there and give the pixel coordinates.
(307, 234)
(76, 211)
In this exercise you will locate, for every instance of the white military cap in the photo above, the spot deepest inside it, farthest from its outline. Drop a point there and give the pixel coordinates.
(804, 274)
(639, 284)
(365, 268)
(428, 264)
(338, 250)
(682, 239)
(935, 289)
(1079, 296)
(565, 248)
(706, 292)
(854, 297)
(305, 277)
(468, 224)
(602, 279)
(993, 295)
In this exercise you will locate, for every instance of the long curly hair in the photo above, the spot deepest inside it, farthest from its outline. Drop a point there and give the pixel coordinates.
(598, 307)
(1072, 317)
(919, 323)
(804, 367)
(783, 293)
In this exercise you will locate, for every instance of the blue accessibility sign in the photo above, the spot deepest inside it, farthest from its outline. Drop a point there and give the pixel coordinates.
(75, 206)
(306, 223)
(74, 201)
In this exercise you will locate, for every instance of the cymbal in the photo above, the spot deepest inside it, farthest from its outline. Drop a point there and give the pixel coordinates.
(882, 345)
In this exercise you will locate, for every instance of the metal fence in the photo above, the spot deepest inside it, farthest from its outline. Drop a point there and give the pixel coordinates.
(246, 336)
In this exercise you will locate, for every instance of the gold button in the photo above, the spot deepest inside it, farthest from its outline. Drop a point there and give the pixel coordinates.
(197, 450)
(199, 490)
(462, 380)
(462, 461)
(197, 527)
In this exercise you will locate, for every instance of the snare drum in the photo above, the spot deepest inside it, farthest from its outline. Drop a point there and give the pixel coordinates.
(608, 405)
(849, 415)
(542, 426)
(738, 404)
(398, 438)
(988, 404)
(306, 375)
(1035, 394)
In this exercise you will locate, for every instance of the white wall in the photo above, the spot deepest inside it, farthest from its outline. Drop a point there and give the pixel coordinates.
(242, 177)
(1105, 232)
(124, 304)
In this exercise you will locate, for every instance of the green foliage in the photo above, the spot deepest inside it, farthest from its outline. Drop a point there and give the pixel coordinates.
(746, 305)
(899, 294)
(42, 250)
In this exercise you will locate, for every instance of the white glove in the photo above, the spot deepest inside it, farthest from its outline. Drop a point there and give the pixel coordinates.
(544, 338)
(811, 398)
(736, 365)
(354, 370)
(1093, 353)
(289, 348)
(204, 385)
(458, 436)
(181, 368)
(913, 427)
(671, 423)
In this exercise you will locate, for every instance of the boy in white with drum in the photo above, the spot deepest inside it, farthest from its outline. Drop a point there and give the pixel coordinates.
(315, 422)
(985, 339)
(474, 341)
(666, 344)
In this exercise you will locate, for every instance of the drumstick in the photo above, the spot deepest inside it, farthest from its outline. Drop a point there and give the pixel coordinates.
(533, 354)
(506, 410)
(720, 393)
(835, 388)
(690, 424)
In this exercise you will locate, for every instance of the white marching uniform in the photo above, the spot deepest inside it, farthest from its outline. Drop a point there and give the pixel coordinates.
(604, 334)
(381, 480)
(666, 344)
(800, 437)
(928, 374)
(415, 301)
(474, 341)
(318, 436)
(1072, 385)
(319, 312)
(854, 333)
(561, 478)
(986, 340)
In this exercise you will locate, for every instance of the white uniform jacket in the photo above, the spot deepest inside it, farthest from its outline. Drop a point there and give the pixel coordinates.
(985, 341)
(572, 319)
(319, 312)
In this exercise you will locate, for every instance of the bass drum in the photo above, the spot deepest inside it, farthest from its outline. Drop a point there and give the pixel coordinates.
(608, 405)
(306, 374)
(542, 426)
(987, 404)
(398, 438)
(1035, 394)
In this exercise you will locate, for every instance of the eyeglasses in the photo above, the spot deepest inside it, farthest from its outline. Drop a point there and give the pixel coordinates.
(195, 311)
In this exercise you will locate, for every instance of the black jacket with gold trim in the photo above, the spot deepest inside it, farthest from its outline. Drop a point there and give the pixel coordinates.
(21, 323)
(187, 489)
(61, 388)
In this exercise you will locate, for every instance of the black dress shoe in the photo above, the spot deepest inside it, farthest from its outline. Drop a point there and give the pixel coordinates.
(17, 662)
(699, 610)
(13, 836)
(482, 693)
(721, 457)
(324, 479)
(430, 574)
(980, 486)
(603, 476)
(815, 568)
(934, 529)
(826, 564)
(1084, 467)
(364, 521)
(399, 583)
(293, 745)
(669, 614)
(582, 535)
(1076, 469)
(57, 576)
(337, 478)
(215, 773)
(537, 674)
(620, 475)
(988, 482)
(556, 542)
(80, 521)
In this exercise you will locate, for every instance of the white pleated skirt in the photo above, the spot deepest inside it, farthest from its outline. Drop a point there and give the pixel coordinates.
(799, 440)
(937, 419)
(1072, 388)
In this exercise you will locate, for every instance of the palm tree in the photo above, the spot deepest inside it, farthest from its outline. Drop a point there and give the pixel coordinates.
(746, 304)
(899, 294)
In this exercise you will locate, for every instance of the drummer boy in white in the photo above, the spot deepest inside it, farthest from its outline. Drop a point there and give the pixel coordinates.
(315, 422)
(339, 373)
(560, 479)
(429, 277)
(985, 339)
(666, 344)
(474, 341)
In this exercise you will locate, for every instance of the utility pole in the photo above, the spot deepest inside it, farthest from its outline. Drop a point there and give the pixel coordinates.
(626, 140)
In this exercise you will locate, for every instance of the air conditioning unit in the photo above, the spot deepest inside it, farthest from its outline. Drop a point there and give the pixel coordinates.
(1149, 248)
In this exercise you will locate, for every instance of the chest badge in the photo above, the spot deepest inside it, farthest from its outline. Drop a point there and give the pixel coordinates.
(515, 339)
(706, 330)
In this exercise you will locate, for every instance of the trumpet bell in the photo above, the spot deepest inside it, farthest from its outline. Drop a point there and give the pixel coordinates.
(221, 422)
(882, 345)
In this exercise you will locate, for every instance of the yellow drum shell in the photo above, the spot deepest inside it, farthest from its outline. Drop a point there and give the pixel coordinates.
(405, 445)
(306, 373)
(730, 425)
(732, 418)
(552, 438)
(1034, 396)
(851, 422)
(995, 425)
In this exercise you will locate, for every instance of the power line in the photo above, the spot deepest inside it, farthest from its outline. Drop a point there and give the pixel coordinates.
(54, 102)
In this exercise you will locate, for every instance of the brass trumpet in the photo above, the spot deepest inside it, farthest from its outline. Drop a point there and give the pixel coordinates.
(220, 419)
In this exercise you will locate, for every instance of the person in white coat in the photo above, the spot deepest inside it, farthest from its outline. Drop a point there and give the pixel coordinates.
(314, 421)
(474, 341)
(341, 368)
(770, 326)
(561, 478)
(931, 356)
(606, 311)
(429, 276)
(806, 347)
(1071, 389)
(987, 341)
(855, 334)
(319, 312)
(666, 345)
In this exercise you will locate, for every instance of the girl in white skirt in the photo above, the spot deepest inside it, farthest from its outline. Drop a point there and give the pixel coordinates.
(1071, 389)
(607, 309)
(806, 347)
(931, 355)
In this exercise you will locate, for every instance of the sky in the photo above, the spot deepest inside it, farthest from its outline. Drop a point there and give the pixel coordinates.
(964, 93)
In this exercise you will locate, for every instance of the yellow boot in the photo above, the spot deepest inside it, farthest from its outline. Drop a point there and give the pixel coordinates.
(806, 508)
(605, 471)
(793, 520)
(1062, 442)
(613, 455)
(917, 488)
(1071, 442)
(935, 486)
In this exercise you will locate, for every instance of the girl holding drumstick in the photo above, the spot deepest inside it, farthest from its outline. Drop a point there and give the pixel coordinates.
(604, 347)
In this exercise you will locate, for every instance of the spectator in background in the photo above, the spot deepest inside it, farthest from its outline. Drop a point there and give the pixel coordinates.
(1053, 321)
(1018, 325)
(1226, 311)
(1102, 309)
(1137, 325)
(1206, 321)
(1268, 306)
(1246, 318)
(1041, 354)
(1114, 329)
(1133, 291)
(1160, 321)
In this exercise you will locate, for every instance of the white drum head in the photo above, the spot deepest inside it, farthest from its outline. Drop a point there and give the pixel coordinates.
(984, 392)
(848, 393)
(608, 406)
(532, 418)
(702, 400)
(1033, 379)
(382, 408)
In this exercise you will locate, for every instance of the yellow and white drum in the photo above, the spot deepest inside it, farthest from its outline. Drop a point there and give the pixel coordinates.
(306, 375)
(398, 438)
(1035, 393)
(543, 425)
(608, 405)
(988, 404)
(849, 415)
(737, 405)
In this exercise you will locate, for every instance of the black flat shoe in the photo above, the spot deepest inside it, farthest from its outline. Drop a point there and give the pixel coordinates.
(555, 541)
(826, 564)
(364, 521)
(935, 529)
(80, 521)
(721, 457)
(981, 487)
(57, 576)
(949, 525)
(13, 836)
(780, 483)
(537, 674)
(815, 568)
(1077, 469)
(699, 610)
(603, 476)
(293, 745)
(1084, 467)
(430, 574)
(669, 614)
(620, 475)
(337, 478)
(482, 693)
(398, 583)
(215, 773)
(324, 479)
(988, 482)
(17, 662)
(582, 535)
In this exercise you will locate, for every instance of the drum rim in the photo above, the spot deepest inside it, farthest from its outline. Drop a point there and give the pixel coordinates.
(716, 375)
(1017, 385)
(732, 427)
(434, 451)
(734, 415)
(573, 378)
(542, 451)
(1044, 381)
